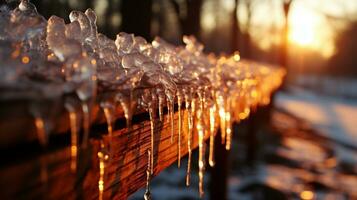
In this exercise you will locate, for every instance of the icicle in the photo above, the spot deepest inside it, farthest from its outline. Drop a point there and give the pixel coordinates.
(201, 154)
(152, 126)
(73, 119)
(152, 107)
(228, 131)
(147, 195)
(193, 112)
(42, 134)
(228, 118)
(108, 110)
(74, 139)
(212, 112)
(103, 157)
(128, 104)
(161, 109)
(222, 115)
(201, 133)
(108, 117)
(170, 109)
(161, 98)
(179, 101)
(149, 101)
(190, 130)
(86, 123)
(189, 137)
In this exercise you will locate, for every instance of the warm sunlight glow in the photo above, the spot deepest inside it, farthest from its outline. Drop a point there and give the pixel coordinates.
(302, 28)
(302, 36)
(309, 29)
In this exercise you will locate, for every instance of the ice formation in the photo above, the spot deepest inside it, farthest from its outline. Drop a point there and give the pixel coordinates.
(43, 60)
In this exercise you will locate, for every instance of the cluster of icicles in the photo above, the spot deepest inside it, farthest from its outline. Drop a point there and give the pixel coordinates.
(45, 60)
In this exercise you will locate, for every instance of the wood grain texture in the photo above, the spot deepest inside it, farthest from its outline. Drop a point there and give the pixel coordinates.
(47, 175)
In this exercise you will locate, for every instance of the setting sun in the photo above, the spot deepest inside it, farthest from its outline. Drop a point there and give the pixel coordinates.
(308, 29)
(302, 28)
(302, 35)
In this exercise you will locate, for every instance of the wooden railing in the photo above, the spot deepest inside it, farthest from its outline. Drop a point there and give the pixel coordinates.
(111, 166)
(28, 171)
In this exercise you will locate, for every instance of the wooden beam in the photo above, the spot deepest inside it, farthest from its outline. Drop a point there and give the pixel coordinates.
(49, 175)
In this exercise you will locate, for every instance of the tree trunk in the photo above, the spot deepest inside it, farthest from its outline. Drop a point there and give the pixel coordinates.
(235, 29)
(190, 21)
(284, 46)
(136, 17)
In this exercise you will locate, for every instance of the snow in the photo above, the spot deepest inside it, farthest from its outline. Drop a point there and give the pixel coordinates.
(333, 117)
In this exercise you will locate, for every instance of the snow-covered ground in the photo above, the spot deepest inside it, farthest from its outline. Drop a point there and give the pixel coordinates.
(334, 117)
(332, 86)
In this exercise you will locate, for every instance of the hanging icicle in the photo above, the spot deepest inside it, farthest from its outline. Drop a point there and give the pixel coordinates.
(170, 109)
(191, 114)
(179, 101)
(201, 154)
(212, 112)
(73, 120)
(86, 123)
(128, 103)
(103, 158)
(152, 132)
(147, 195)
(228, 118)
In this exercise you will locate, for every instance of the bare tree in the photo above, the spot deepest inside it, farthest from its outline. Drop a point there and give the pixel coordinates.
(189, 16)
(136, 17)
(236, 32)
(284, 44)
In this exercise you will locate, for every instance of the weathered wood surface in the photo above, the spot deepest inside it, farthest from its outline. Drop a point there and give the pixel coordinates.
(17, 123)
(47, 175)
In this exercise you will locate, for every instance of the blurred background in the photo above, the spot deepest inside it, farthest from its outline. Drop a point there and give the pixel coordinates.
(320, 35)
(309, 149)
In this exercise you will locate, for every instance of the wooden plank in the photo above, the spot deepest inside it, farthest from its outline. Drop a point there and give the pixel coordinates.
(17, 125)
(49, 175)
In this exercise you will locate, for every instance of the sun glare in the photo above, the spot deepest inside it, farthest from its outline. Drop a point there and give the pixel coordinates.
(302, 28)
(302, 35)
(308, 29)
